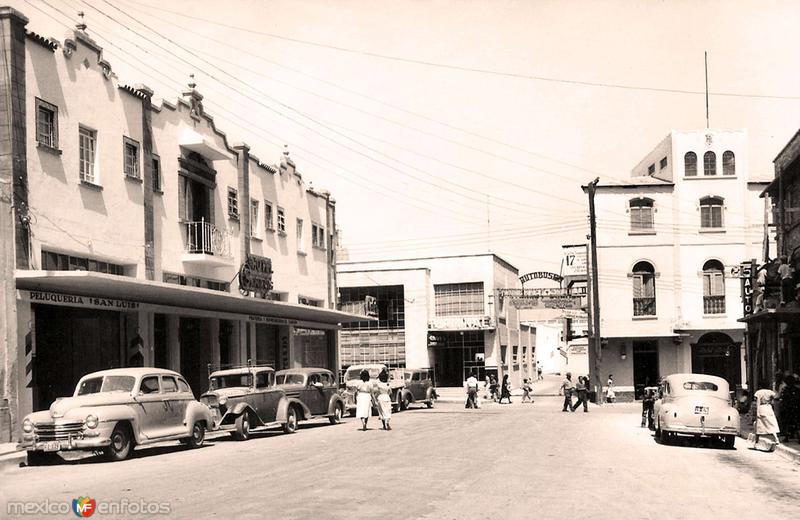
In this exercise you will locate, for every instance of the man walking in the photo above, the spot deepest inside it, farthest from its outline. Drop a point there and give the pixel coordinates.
(472, 392)
(582, 389)
(567, 386)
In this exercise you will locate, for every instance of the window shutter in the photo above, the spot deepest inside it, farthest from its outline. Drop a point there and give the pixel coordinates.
(211, 207)
(707, 284)
(717, 284)
(638, 290)
(182, 186)
(649, 286)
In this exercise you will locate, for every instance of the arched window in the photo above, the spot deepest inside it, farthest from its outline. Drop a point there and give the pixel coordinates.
(713, 287)
(641, 213)
(728, 163)
(709, 163)
(644, 289)
(711, 212)
(690, 164)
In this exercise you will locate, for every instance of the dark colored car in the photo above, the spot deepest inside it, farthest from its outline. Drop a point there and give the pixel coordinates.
(419, 386)
(245, 398)
(316, 388)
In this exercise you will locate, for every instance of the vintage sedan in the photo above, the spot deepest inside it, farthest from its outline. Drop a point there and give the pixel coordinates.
(352, 377)
(697, 405)
(316, 388)
(418, 386)
(246, 397)
(115, 410)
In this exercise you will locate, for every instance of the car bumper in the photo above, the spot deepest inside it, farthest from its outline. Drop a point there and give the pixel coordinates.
(706, 431)
(87, 439)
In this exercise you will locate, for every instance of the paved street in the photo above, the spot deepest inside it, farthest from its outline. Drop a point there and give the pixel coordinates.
(503, 461)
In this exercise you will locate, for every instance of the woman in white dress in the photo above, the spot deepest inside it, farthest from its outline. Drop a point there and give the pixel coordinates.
(364, 398)
(383, 391)
(766, 423)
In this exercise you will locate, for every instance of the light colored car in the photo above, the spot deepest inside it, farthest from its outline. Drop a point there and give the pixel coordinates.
(695, 404)
(316, 388)
(115, 410)
(418, 386)
(352, 377)
(246, 397)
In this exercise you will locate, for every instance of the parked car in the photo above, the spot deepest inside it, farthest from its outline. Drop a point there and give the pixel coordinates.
(115, 410)
(316, 388)
(352, 377)
(246, 397)
(695, 404)
(418, 386)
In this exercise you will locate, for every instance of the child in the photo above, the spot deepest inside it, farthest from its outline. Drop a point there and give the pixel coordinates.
(526, 391)
(610, 395)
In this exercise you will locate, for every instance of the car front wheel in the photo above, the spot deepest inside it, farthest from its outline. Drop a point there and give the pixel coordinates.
(121, 444)
(242, 432)
(290, 426)
(336, 418)
(728, 441)
(405, 403)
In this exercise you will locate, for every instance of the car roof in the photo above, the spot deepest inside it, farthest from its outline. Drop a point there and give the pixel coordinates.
(132, 371)
(676, 380)
(373, 365)
(303, 370)
(241, 370)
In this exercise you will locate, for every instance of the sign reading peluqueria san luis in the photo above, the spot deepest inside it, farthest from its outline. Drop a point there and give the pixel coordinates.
(92, 302)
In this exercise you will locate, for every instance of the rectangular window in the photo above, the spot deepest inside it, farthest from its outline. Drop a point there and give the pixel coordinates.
(268, 215)
(281, 221)
(711, 216)
(46, 124)
(651, 169)
(663, 163)
(713, 292)
(87, 141)
(641, 217)
(459, 299)
(131, 156)
(317, 236)
(300, 241)
(156, 173)
(233, 203)
(644, 294)
(61, 262)
(254, 218)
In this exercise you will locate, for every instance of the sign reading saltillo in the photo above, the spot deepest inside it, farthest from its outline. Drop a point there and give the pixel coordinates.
(541, 275)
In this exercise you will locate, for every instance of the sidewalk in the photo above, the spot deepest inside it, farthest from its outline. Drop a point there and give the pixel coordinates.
(9, 456)
(789, 450)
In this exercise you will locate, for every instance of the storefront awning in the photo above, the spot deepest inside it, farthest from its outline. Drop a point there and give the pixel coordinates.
(780, 314)
(100, 285)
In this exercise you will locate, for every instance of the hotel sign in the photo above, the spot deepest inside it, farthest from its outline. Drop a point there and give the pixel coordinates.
(256, 275)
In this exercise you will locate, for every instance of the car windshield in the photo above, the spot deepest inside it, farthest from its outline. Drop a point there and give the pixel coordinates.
(700, 385)
(289, 379)
(96, 385)
(231, 380)
(355, 373)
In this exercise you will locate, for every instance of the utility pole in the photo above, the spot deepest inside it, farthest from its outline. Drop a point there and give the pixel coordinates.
(595, 349)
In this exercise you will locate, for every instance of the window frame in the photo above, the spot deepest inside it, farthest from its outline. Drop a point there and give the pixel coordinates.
(713, 276)
(255, 229)
(643, 277)
(42, 105)
(636, 206)
(300, 236)
(709, 159)
(728, 163)
(233, 203)
(157, 180)
(90, 134)
(709, 203)
(268, 216)
(281, 221)
(662, 163)
(136, 173)
(690, 164)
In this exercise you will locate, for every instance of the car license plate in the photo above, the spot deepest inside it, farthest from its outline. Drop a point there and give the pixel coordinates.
(51, 446)
(701, 410)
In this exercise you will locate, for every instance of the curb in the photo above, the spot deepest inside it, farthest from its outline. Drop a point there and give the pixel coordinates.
(787, 453)
(12, 459)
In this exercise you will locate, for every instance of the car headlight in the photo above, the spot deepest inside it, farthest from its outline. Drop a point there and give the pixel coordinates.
(92, 421)
(27, 426)
(223, 400)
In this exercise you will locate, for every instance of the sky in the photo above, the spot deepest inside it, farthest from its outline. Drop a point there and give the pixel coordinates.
(459, 127)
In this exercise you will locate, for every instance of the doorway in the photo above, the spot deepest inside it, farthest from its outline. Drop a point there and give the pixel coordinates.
(193, 336)
(716, 354)
(645, 366)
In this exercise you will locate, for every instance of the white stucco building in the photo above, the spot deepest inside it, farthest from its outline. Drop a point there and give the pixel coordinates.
(668, 241)
(440, 313)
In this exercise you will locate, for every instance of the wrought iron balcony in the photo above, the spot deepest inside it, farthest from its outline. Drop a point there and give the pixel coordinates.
(205, 243)
(644, 306)
(714, 304)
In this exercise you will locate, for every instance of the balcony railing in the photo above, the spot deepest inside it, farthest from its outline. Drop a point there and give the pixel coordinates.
(644, 306)
(713, 304)
(204, 238)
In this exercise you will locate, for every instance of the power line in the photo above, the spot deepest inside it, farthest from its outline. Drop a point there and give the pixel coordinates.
(474, 69)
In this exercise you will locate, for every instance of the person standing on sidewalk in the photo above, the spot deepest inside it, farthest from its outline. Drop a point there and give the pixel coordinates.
(567, 386)
(766, 423)
(527, 389)
(472, 392)
(582, 389)
(610, 395)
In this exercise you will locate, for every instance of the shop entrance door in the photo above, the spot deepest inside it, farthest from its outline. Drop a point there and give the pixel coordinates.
(645, 366)
(716, 354)
(195, 353)
(71, 343)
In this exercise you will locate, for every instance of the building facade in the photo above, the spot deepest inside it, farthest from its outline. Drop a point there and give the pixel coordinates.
(440, 313)
(774, 328)
(670, 243)
(135, 234)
